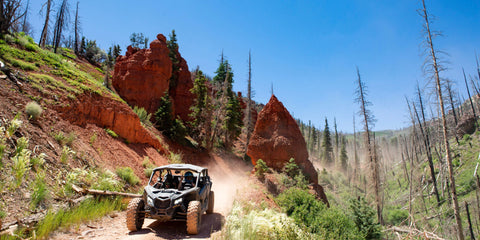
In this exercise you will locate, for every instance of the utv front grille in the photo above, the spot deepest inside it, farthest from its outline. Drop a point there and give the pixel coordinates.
(162, 204)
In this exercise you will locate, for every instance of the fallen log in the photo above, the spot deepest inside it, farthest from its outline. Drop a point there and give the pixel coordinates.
(415, 232)
(104, 192)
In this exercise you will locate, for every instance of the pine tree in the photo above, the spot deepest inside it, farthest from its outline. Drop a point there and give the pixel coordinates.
(327, 145)
(201, 114)
(228, 119)
(163, 116)
(173, 49)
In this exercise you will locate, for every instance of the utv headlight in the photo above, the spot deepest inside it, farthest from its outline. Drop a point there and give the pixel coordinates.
(150, 201)
(178, 201)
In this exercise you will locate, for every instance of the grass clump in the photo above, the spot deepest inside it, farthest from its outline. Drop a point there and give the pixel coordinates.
(143, 115)
(100, 180)
(66, 153)
(21, 165)
(261, 224)
(37, 161)
(148, 166)
(87, 210)
(33, 110)
(59, 137)
(40, 190)
(127, 174)
(93, 138)
(111, 133)
(175, 158)
(14, 125)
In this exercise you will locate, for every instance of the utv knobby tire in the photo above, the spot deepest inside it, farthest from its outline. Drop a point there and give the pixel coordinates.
(135, 214)
(211, 202)
(194, 216)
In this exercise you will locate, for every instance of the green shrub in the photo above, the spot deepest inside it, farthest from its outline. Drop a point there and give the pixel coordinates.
(261, 224)
(66, 153)
(175, 158)
(299, 181)
(93, 138)
(59, 137)
(33, 110)
(261, 168)
(14, 125)
(40, 190)
(291, 168)
(70, 139)
(127, 174)
(314, 216)
(38, 161)
(22, 143)
(21, 165)
(396, 217)
(111, 133)
(107, 181)
(365, 219)
(143, 115)
(148, 166)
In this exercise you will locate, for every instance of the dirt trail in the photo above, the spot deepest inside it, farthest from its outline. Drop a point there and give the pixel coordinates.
(228, 175)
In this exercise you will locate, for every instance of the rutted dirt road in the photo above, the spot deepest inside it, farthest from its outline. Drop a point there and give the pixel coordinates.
(228, 176)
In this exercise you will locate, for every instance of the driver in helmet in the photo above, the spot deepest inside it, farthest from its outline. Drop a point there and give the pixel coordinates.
(189, 180)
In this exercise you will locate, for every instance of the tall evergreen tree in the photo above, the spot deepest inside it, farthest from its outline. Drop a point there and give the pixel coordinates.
(173, 49)
(327, 145)
(201, 109)
(228, 117)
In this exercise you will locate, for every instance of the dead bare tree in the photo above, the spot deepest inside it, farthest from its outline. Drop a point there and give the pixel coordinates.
(9, 14)
(368, 122)
(60, 24)
(249, 103)
(25, 27)
(451, 100)
(469, 96)
(44, 35)
(77, 23)
(433, 58)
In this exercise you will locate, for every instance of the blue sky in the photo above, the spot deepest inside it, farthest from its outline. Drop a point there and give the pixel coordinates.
(308, 50)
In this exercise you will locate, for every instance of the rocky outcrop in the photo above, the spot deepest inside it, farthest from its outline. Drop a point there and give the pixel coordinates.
(108, 113)
(277, 138)
(142, 77)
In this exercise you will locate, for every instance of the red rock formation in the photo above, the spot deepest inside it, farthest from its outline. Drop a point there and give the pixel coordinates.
(108, 113)
(142, 77)
(277, 138)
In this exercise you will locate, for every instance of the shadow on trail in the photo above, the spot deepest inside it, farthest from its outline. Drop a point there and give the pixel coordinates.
(211, 223)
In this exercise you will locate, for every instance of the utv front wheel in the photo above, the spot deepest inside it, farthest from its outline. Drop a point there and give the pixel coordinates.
(135, 214)
(211, 202)
(193, 217)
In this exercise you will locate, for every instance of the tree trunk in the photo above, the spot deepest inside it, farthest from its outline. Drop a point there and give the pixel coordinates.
(445, 128)
(469, 96)
(43, 36)
(75, 47)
